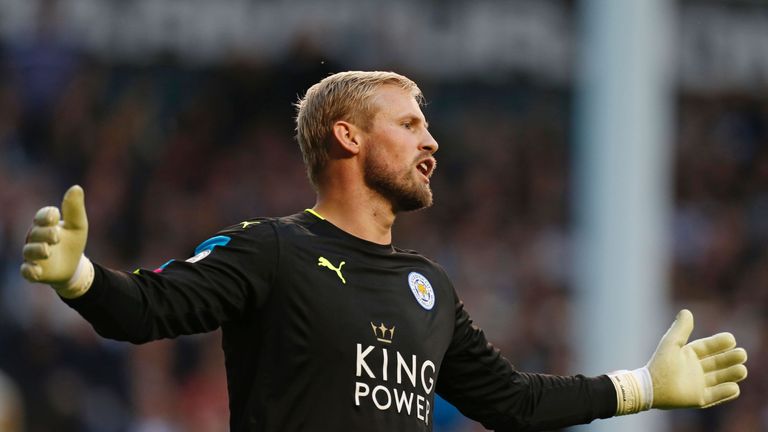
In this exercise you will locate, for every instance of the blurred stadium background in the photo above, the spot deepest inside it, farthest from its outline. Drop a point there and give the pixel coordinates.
(176, 117)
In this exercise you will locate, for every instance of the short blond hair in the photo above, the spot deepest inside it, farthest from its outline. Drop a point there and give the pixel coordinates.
(342, 96)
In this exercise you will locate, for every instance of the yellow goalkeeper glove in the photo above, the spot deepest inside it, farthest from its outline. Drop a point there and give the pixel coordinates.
(699, 374)
(53, 253)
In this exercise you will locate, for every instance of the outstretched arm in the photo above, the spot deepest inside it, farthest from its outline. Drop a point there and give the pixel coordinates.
(486, 387)
(229, 277)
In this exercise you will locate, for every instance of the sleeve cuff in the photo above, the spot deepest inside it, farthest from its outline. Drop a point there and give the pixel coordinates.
(634, 390)
(91, 296)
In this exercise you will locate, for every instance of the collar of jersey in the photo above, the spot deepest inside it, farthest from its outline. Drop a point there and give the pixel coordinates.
(338, 232)
(313, 212)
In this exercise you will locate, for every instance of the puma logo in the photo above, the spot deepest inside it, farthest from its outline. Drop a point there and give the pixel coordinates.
(323, 262)
(246, 224)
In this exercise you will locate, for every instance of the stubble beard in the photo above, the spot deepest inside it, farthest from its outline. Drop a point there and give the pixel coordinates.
(402, 190)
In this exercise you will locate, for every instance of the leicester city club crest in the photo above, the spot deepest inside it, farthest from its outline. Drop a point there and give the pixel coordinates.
(422, 290)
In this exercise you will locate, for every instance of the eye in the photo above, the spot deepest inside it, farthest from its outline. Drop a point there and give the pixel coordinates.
(408, 125)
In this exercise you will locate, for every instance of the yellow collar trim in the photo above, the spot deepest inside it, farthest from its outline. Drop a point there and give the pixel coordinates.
(309, 210)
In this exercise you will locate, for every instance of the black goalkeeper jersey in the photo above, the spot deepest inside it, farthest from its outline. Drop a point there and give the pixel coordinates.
(324, 331)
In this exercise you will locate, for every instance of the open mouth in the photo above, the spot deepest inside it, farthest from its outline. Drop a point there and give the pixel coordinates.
(427, 167)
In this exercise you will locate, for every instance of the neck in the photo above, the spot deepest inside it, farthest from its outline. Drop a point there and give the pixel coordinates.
(362, 213)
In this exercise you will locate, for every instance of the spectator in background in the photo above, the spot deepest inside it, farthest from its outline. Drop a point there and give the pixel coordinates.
(41, 65)
(11, 409)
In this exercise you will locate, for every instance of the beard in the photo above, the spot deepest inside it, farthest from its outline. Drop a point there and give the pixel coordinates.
(404, 191)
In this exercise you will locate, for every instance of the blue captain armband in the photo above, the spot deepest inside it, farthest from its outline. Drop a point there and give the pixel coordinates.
(201, 251)
(205, 248)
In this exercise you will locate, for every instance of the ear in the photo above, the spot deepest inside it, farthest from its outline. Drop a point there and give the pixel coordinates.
(347, 136)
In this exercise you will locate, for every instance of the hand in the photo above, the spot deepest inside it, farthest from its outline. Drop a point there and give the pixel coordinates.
(53, 253)
(699, 374)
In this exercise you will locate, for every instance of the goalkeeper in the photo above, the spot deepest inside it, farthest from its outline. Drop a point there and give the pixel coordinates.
(326, 325)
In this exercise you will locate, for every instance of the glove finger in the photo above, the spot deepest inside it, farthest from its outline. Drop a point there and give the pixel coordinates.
(31, 272)
(47, 216)
(712, 345)
(720, 393)
(48, 235)
(724, 360)
(680, 330)
(36, 251)
(73, 208)
(733, 374)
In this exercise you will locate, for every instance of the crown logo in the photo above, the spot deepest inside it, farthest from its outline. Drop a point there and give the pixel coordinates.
(383, 333)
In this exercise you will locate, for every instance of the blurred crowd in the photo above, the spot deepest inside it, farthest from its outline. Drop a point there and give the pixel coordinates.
(168, 154)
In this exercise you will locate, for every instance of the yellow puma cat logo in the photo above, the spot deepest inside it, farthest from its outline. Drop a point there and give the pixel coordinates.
(323, 262)
(246, 224)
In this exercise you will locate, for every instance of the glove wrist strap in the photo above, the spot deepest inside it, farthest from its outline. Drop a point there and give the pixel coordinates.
(80, 281)
(634, 390)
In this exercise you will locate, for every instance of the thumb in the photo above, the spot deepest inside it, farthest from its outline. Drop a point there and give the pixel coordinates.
(680, 330)
(73, 208)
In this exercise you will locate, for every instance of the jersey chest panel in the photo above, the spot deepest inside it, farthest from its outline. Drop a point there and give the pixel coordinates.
(375, 325)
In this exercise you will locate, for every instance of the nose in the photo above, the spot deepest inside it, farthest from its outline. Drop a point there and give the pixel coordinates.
(429, 143)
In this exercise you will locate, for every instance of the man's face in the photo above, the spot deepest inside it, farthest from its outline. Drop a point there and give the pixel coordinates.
(398, 156)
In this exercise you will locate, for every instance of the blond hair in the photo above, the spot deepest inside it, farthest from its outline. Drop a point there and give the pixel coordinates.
(342, 96)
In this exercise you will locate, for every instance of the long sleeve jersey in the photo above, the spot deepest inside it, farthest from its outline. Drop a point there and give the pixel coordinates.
(324, 331)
